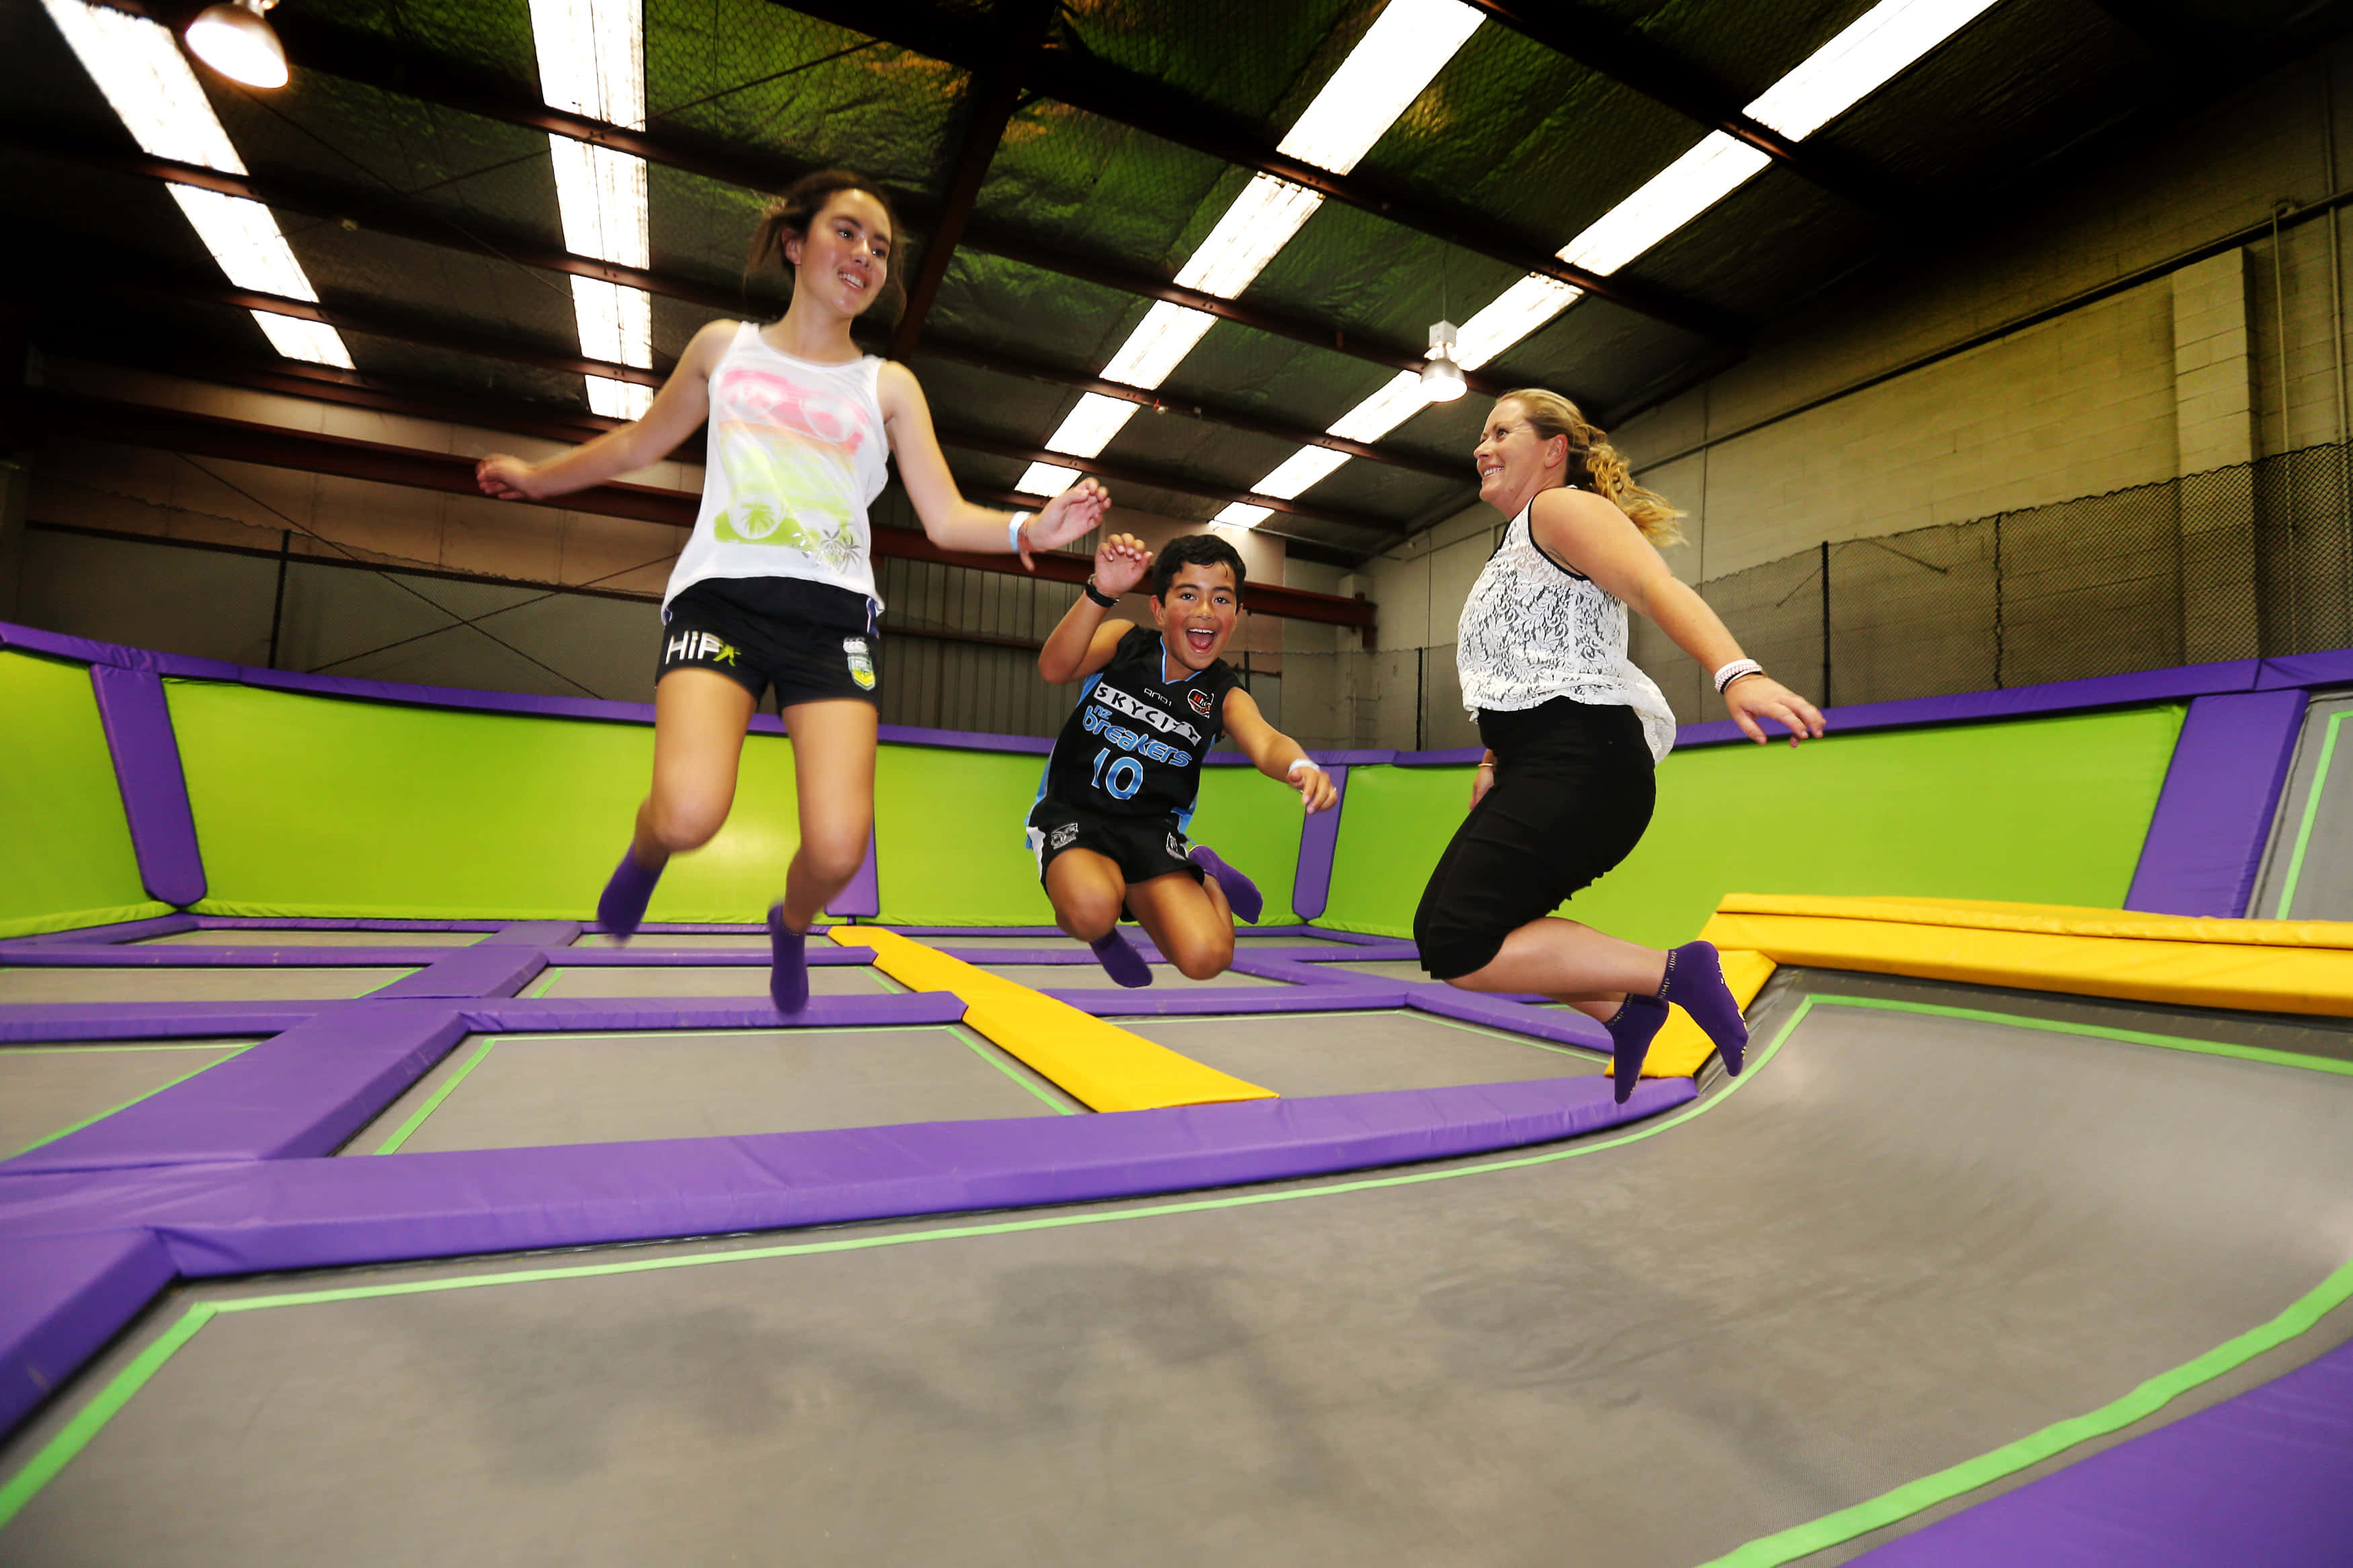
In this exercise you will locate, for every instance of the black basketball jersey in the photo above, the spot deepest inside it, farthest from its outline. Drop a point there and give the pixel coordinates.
(1134, 745)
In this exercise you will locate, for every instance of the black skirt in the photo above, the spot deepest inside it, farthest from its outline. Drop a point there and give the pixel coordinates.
(1573, 792)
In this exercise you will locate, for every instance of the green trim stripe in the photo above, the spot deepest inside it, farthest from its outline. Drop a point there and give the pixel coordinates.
(994, 1058)
(433, 1101)
(56, 1454)
(2311, 810)
(2098, 1032)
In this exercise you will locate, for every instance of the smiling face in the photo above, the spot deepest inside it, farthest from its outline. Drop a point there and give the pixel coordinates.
(1198, 613)
(1513, 461)
(845, 259)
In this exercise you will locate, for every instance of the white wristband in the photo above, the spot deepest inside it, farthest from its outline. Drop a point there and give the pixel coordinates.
(1013, 531)
(1302, 763)
(1732, 671)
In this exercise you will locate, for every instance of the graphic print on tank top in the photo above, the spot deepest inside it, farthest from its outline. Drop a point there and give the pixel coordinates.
(1134, 745)
(790, 454)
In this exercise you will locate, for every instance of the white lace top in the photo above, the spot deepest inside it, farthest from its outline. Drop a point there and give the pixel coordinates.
(797, 453)
(1532, 630)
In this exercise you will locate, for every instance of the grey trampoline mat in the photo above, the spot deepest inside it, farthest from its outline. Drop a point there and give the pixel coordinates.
(1090, 976)
(527, 1091)
(1902, 1242)
(2307, 870)
(1356, 1053)
(698, 980)
(46, 1088)
(245, 936)
(756, 941)
(203, 984)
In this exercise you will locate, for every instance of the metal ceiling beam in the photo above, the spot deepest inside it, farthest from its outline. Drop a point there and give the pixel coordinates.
(990, 99)
(1583, 35)
(1143, 104)
(236, 440)
(1120, 473)
(388, 213)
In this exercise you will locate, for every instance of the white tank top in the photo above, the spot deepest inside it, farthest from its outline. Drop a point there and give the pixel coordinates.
(796, 454)
(1532, 630)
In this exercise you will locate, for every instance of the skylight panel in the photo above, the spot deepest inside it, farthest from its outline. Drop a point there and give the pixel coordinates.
(1877, 45)
(147, 82)
(592, 62)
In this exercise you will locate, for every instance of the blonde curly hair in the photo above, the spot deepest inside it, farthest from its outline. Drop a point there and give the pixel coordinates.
(1596, 465)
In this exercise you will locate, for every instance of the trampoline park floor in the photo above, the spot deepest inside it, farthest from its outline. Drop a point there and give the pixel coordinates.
(1931, 1231)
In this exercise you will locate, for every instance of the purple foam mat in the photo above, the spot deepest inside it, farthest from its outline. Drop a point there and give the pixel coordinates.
(146, 754)
(1218, 1000)
(2205, 841)
(95, 936)
(2334, 668)
(476, 971)
(300, 1093)
(963, 740)
(33, 1021)
(1319, 841)
(2266, 1477)
(534, 933)
(1562, 1026)
(553, 1013)
(651, 955)
(1451, 757)
(196, 955)
(299, 1213)
(67, 1296)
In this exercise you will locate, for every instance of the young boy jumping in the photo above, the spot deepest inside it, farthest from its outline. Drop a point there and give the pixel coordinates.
(1109, 825)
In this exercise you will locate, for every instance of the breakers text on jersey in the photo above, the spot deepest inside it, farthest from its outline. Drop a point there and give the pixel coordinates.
(1099, 723)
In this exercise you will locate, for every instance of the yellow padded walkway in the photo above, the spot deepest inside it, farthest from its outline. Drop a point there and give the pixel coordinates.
(1104, 1067)
(2275, 967)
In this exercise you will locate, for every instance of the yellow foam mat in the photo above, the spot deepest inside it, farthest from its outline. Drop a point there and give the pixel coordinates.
(2083, 952)
(1104, 1067)
(1682, 1048)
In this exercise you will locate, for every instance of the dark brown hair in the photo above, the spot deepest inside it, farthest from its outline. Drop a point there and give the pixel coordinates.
(1196, 550)
(789, 216)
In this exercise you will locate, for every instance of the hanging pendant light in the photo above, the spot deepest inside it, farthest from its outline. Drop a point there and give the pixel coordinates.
(233, 39)
(1441, 378)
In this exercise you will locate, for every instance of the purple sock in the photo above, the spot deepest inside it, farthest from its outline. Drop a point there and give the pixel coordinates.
(789, 950)
(1695, 983)
(1630, 1041)
(625, 895)
(1240, 891)
(1121, 961)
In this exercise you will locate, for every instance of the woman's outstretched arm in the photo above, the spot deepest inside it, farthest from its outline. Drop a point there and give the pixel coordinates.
(950, 521)
(683, 403)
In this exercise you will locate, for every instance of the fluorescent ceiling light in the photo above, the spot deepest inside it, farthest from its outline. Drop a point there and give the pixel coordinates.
(1300, 470)
(147, 82)
(1878, 45)
(1391, 64)
(1045, 479)
(1398, 401)
(1669, 199)
(592, 62)
(1236, 515)
(1511, 316)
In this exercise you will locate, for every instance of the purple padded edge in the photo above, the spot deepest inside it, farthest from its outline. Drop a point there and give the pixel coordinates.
(67, 1296)
(2015, 702)
(553, 1014)
(301, 1093)
(1361, 938)
(1319, 837)
(2205, 841)
(89, 650)
(862, 900)
(476, 971)
(39, 1022)
(1220, 1001)
(2334, 668)
(2264, 1478)
(120, 930)
(354, 922)
(1055, 931)
(147, 773)
(1565, 1025)
(1453, 756)
(1299, 971)
(655, 956)
(445, 696)
(301, 1215)
(196, 955)
(963, 740)
(532, 933)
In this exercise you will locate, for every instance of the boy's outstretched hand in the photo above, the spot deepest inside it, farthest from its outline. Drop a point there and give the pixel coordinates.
(1314, 787)
(1074, 514)
(1121, 562)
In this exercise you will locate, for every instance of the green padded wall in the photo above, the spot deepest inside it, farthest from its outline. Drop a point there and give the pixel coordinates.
(70, 860)
(2037, 811)
(317, 806)
(948, 838)
(1254, 823)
